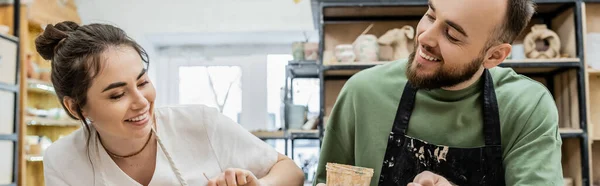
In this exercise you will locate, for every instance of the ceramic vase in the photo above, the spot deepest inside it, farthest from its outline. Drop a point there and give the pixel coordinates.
(345, 53)
(366, 48)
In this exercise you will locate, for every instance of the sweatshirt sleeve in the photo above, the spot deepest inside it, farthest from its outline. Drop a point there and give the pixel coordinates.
(535, 157)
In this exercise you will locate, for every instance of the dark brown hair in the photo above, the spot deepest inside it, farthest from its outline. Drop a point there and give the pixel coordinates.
(517, 16)
(75, 53)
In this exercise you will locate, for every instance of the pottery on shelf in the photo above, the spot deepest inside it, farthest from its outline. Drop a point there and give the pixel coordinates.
(298, 51)
(329, 57)
(345, 53)
(398, 39)
(542, 43)
(366, 48)
(311, 51)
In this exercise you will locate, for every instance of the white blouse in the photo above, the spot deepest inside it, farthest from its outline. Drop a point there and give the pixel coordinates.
(199, 139)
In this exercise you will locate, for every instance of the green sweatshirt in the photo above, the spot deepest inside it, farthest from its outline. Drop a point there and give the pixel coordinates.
(359, 124)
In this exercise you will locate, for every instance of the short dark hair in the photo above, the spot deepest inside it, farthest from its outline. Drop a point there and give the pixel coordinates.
(517, 16)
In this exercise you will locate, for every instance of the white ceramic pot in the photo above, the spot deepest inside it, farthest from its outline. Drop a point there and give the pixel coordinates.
(345, 53)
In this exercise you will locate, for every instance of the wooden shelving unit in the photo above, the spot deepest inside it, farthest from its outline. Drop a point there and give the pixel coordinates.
(34, 158)
(37, 92)
(341, 22)
(9, 120)
(591, 18)
(41, 87)
(38, 121)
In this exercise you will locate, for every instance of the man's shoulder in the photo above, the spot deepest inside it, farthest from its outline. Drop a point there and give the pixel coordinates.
(511, 85)
(378, 77)
(522, 99)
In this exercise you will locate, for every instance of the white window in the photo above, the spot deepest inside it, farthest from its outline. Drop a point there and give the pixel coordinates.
(275, 84)
(187, 81)
(215, 86)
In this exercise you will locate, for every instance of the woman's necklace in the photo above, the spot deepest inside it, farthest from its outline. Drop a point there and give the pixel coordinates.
(131, 155)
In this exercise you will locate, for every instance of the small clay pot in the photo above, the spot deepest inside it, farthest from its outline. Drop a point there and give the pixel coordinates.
(534, 42)
(345, 53)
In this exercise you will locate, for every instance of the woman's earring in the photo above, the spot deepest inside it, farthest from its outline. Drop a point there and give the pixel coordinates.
(88, 121)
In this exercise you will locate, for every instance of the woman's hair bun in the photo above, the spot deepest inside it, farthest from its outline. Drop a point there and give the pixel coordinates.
(53, 35)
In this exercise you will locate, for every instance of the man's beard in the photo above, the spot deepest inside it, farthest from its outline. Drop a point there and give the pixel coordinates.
(443, 76)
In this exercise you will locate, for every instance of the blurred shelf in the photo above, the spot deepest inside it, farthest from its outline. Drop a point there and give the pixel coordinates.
(561, 62)
(593, 71)
(38, 121)
(291, 134)
(521, 66)
(303, 134)
(8, 137)
(335, 11)
(9, 37)
(532, 66)
(353, 65)
(349, 69)
(305, 69)
(542, 60)
(38, 86)
(570, 133)
(295, 62)
(34, 158)
(269, 134)
(8, 87)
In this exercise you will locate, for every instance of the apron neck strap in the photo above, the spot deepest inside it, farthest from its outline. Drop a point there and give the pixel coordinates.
(491, 118)
(404, 111)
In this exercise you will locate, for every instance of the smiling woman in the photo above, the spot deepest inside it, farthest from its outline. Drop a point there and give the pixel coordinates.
(99, 74)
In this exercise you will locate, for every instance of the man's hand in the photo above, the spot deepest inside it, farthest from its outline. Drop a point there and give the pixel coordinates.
(234, 177)
(427, 178)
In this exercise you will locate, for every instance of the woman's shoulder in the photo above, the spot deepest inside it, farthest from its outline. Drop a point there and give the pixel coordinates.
(66, 147)
(195, 112)
(185, 110)
(186, 117)
(66, 156)
(67, 153)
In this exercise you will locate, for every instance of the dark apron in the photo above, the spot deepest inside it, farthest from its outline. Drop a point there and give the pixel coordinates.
(406, 157)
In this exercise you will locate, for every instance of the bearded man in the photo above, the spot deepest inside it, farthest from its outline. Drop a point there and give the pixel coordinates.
(448, 115)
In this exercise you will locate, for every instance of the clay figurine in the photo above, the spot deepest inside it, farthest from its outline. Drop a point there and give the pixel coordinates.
(398, 38)
(536, 46)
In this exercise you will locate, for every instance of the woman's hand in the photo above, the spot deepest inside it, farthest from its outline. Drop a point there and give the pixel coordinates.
(234, 177)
